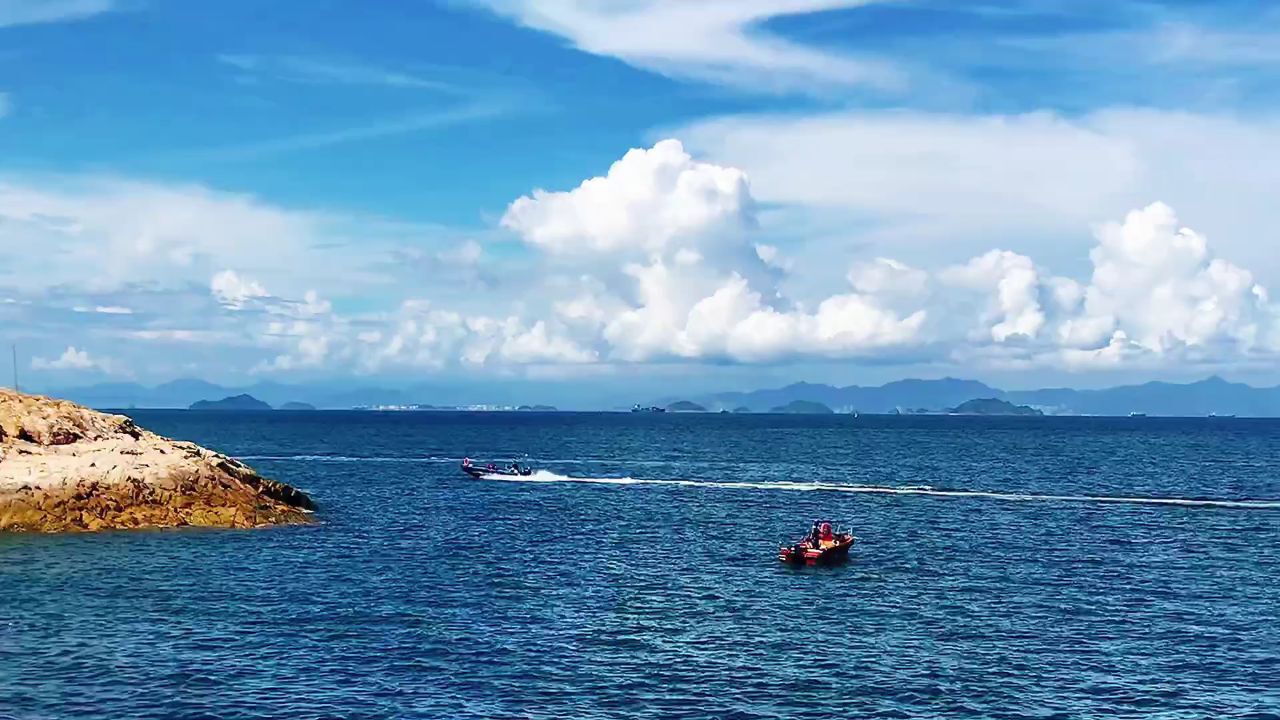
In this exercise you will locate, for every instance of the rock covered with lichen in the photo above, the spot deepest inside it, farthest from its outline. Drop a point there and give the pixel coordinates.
(64, 467)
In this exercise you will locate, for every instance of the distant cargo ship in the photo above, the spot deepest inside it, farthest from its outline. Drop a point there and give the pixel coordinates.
(1137, 414)
(649, 409)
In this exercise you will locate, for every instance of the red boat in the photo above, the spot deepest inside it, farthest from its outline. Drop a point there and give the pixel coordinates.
(823, 545)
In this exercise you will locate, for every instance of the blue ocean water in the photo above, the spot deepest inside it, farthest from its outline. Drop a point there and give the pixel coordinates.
(1006, 568)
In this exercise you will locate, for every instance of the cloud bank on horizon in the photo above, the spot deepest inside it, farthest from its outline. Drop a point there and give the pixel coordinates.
(659, 259)
(823, 228)
(661, 250)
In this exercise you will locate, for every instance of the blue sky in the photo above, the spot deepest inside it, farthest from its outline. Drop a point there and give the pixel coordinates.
(844, 190)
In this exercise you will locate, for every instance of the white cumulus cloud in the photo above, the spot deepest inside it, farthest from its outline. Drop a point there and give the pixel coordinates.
(651, 200)
(694, 281)
(1156, 291)
(1013, 285)
(234, 291)
(72, 359)
(696, 284)
(1156, 281)
(662, 258)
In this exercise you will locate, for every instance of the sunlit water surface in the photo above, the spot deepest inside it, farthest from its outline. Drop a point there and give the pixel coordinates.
(1008, 568)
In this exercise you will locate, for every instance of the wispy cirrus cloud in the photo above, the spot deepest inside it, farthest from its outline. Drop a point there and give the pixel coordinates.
(104, 309)
(719, 41)
(1048, 54)
(441, 97)
(329, 71)
(1164, 44)
(400, 125)
(30, 12)
(1154, 52)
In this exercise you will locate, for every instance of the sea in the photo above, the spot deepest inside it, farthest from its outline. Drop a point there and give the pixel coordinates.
(1018, 568)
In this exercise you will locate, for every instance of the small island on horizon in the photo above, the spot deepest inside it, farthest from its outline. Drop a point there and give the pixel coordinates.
(296, 406)
(234, 402)
(803, 407)
(993, 406)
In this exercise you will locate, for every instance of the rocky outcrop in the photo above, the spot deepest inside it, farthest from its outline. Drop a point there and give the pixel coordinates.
(64, 467)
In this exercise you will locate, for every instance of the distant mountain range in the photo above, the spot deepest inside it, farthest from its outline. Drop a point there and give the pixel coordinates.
(336, 394)
(186, 392)
(1212, 396)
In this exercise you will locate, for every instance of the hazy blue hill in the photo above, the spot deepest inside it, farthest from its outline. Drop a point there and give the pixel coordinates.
(184, 392)
(761, 400)
(992, 406)
(803, 407)
(931, 394)
(275, 393)
(235, 402)
(1209, 396)
(175, 394)
(1212, 395)
(187, 386)
(296, 406)
(685, 406)
(108, 395)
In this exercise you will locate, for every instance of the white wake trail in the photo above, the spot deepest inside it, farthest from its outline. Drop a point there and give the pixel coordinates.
(543, 476)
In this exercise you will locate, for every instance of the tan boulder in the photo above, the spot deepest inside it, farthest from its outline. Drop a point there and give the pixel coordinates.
(66, 467)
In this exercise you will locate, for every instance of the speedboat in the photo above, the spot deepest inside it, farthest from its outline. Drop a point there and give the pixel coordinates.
(479, 470)
(822, 545)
